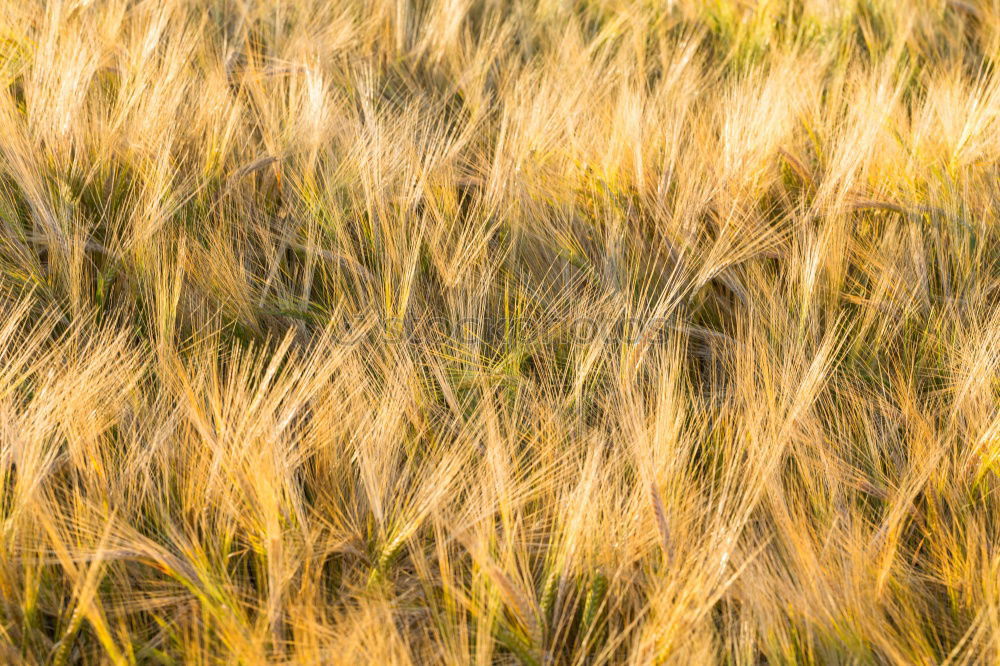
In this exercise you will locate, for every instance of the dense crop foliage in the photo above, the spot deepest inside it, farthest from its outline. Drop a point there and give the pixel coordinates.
(499, 331)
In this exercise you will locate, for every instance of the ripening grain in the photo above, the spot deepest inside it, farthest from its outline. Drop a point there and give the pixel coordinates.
(500, 332)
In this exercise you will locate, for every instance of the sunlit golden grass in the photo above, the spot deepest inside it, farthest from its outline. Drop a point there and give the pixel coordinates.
(480, 331)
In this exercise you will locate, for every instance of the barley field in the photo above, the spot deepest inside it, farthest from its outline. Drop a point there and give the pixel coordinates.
(500, 332)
